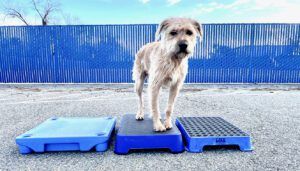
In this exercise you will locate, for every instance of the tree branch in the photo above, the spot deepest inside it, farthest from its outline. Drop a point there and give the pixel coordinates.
(14, 13)
(45, 10)
(36, 9)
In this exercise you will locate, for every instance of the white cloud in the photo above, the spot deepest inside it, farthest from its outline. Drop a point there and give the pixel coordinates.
(169, 2)
(238, 3)
(173, 2)
(8, 21)
(273, 11)
(286, 11)
(5, 21)
(144, 1)
(214, 6)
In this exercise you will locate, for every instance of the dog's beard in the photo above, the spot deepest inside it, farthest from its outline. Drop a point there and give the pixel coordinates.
(176, 53)
(182, 54)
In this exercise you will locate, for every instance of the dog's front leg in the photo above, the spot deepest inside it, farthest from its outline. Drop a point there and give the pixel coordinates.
(154, 89)
(174, 90)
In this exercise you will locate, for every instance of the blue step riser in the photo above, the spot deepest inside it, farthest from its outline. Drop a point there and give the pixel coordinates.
(134, 134)
(126, 141)
(62, 134)
(197, 143)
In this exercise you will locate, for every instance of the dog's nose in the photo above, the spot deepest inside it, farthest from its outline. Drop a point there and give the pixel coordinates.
(182, 45)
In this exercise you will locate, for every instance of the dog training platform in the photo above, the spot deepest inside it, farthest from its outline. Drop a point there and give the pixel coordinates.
(68, 134)
(211, 131)
(134, 134)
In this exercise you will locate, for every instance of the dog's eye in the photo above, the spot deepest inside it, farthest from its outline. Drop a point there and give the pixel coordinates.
(189, 32)
(173, 33)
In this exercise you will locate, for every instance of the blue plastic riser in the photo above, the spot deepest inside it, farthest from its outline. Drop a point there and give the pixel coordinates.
(134, 134)
(211, 131)
(68, 134)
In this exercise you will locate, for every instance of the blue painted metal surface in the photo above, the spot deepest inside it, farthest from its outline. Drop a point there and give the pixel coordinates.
(68, 134)
(134, 134)
(229, 53)
(199, 132)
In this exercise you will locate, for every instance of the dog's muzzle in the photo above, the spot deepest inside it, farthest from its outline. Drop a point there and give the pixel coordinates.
(183, 47)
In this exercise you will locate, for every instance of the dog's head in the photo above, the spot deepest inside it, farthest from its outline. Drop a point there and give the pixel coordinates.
(178, 36)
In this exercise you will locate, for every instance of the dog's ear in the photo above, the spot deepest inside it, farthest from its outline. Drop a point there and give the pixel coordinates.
(198, 27)
(162, 26)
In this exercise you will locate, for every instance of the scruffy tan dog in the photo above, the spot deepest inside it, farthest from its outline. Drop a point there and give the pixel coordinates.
(165, 62)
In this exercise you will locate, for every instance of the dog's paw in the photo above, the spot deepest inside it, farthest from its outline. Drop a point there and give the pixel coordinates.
(168, 124)
(159, 127)
(139, 116)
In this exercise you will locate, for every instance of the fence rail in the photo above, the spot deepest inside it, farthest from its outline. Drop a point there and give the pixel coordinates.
(229, 53)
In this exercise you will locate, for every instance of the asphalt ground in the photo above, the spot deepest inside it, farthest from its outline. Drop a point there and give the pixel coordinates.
(269, 113)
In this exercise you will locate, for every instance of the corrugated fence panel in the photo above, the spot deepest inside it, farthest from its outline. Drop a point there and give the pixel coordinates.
(229, 53)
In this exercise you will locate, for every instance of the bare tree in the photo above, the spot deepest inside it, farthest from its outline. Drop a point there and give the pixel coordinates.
(46, 10)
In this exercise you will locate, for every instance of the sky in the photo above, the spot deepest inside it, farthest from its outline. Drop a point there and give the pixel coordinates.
(154, 11)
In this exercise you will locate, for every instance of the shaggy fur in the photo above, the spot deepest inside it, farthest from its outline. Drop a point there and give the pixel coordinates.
(165, 62)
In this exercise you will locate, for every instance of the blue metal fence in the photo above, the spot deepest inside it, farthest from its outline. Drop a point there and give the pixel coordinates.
(229, 53)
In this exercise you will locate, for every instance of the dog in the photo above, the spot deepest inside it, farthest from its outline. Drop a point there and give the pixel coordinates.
(165, 63)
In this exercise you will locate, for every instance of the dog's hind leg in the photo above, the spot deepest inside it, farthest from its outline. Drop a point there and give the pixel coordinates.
(139, 83)
(139, 75)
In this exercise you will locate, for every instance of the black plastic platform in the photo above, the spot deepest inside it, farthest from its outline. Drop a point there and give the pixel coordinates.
(211, 131)
(134, 134)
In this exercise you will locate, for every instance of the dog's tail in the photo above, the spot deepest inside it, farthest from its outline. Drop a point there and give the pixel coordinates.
(137, 66)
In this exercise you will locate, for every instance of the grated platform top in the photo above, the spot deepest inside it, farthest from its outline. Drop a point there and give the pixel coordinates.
(209, 127)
